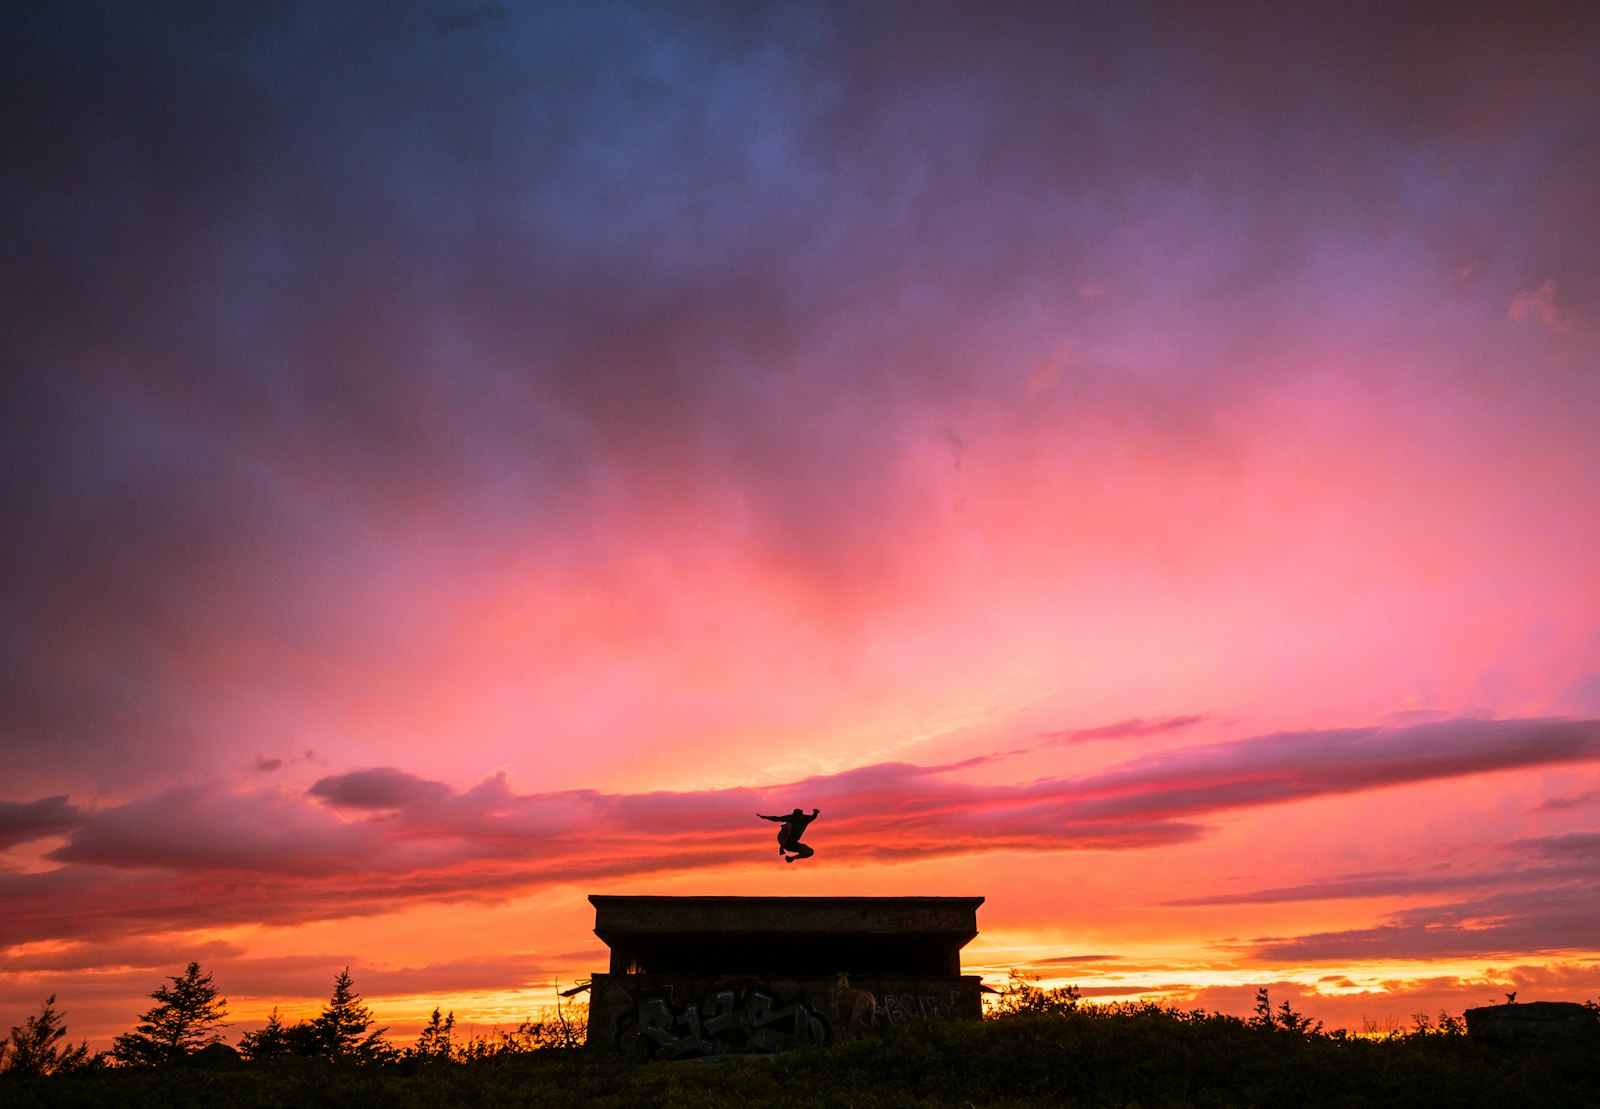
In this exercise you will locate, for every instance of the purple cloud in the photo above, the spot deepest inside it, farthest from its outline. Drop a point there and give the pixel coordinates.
(1345, 887)
(1544, 898)
(208, 855)
(1292, 765)
(206, 828)
(1574, 801)
(30, 820)
(379, 788)
(226, 389)
(1511, 921)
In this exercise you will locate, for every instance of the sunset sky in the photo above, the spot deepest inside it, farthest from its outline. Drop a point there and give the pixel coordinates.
(1136, 465)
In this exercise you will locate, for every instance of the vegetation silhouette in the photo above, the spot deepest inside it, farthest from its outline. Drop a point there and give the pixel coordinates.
(34, 1049)
(1037, 1046)
(184, 1020)
(342, 1033)
(272, 1040)
(434, 1043)
(344, 1027)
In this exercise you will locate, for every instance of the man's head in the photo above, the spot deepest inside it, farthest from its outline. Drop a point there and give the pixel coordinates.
(797, 812)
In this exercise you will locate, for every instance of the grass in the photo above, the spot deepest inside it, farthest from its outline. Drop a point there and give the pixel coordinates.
(1113, 1057)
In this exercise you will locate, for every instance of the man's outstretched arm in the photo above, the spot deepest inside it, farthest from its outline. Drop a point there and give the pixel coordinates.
(763, 816)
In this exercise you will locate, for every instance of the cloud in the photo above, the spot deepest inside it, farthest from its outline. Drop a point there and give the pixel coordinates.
(1289, 765)
(48, 816)
(380, 788)
(1135, 728)
(198, 855)
(1544, 898)
(1574, 801)
(1582, 845)
(562, 387)
(370, 293)
(1506, 923)
(1390, 884)
(196, 829)
(310, 975)
(104, 957)
(1539, 305)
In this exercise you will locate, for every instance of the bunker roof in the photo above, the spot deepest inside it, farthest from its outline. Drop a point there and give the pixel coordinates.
(786, 935)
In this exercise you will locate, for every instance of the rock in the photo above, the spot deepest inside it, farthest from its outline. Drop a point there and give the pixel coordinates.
(1536, 1023)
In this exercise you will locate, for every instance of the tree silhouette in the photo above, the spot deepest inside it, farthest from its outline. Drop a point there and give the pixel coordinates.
(343, 1026)
(434, 1045)
(32, 1048)
(186, 1018)
(271, 1041)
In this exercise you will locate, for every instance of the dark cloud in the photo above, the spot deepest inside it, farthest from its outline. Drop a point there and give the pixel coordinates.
(48, 816)
(380, 788)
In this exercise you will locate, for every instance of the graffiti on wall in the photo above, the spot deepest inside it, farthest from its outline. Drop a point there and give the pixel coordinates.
(750, 1021)
(726, 1024)
(897, 1008)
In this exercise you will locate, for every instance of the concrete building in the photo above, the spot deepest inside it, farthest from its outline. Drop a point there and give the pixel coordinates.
(704, 976)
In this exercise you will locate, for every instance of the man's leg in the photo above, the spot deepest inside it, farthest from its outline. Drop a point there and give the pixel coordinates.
(801, 851)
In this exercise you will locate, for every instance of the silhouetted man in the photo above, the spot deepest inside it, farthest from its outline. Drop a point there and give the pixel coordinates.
(794, 826)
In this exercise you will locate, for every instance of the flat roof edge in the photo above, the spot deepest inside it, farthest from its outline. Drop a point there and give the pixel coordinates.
(618, 916)
(597, 899)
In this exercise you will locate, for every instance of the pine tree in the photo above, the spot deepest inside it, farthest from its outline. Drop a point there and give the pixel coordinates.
(434, 1042)
(271, 1041)
(33, 1046)
(185, 1020)
(344, 1023)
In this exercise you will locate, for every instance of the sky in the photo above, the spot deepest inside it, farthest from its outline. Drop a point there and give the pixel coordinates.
(1136, 463)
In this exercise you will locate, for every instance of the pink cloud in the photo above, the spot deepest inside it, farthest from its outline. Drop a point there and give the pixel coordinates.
(1388, 884)
(206, 855)
(1135, 728)
(196, 828)
(1539, 306)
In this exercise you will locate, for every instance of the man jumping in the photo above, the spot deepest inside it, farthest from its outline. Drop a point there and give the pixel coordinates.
(794, 826)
